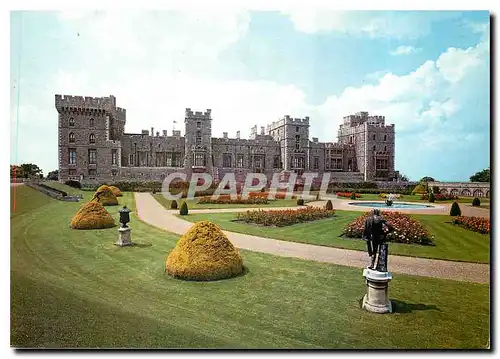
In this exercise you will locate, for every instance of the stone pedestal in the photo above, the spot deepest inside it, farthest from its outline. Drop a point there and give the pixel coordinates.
(377, 284)
(124, 237)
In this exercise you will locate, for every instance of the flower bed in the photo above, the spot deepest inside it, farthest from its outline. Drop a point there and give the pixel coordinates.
(226, 199)
(406, 229)
(439, 197)
(347, 194)
(285, 217)
(476, 224)
(278, 195)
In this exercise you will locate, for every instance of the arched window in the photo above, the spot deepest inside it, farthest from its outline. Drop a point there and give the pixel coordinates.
(91, 122)
(385, 148)
(385, 137)
(374, 148)
(71, 121)
(92, 138)
(71, 137)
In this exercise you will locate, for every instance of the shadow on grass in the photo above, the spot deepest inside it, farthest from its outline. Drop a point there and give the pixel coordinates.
(399, 306)
(243, 273)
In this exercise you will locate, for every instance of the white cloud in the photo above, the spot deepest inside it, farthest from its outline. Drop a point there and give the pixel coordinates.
(369, 23)
(405, 50)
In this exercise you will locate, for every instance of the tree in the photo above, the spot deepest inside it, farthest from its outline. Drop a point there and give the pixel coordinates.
(53, 175)
(26, 170)
(404, 178)
(481, 176)
(455, 210)
(427, 179)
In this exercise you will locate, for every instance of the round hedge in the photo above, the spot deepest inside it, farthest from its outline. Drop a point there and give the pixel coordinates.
(204, 253)
(116, 191)
(92, 215)
(104, 195)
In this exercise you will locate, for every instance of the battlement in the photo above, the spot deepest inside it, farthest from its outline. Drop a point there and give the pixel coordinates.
(296, 121)
(81, 102)
(198, 114)
(120, 110)
(363, 117)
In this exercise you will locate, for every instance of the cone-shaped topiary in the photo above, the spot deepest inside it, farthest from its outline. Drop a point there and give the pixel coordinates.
(105, 196)
(173, 204)
(328, 205)
(432, 198)
(204, 253)
(300, 202)
(92, 215)
(476, 202)
(353, 195)
(116, 191)
(455, 210)
(184, 209)
(419, 189)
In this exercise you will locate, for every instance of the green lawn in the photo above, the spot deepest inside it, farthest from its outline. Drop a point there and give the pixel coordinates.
(61, 186)
(451, 242)
(193, 204)
(72, 288)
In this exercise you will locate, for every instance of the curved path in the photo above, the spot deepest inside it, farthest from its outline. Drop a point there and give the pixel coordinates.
(152, 212)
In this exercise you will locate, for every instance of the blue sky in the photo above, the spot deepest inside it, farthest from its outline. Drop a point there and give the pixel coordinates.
(427, 72)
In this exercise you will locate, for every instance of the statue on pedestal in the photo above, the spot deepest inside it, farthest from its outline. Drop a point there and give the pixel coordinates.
(375, 236)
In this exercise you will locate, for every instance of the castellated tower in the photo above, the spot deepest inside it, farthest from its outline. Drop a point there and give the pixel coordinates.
(90, 130)
(292, 135)
(374, 144)
(198, 142)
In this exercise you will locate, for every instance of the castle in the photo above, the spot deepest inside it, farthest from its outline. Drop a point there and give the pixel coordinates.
(94, 148)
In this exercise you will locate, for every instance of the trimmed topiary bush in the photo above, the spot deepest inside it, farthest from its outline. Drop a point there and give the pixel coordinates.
(432, 198)
(455, 210)
(204, 253)
(184, 209)
(476, 202)
(173, 204)
(353, 195)
(105, 196)
(300, 202)
(419, 189)
(116, 191)
(328, 205)
(92, 215)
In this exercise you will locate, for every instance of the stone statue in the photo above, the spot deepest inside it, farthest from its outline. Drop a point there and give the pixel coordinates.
(375, 236)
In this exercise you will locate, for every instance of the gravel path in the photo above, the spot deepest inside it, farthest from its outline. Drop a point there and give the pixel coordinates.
(150, 211)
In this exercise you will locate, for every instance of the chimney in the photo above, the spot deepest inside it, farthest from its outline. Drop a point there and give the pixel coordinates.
(238, 135)
(145, 132)
(315, 139)
(224, 134)
(262, 130)
(157, 133)
(165, 133)
(152, 131)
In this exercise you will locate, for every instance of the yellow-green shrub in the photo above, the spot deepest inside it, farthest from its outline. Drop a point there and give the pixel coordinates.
(116, 191)
(419, 189)
(104, 195)
(92, 215)
(204, 253)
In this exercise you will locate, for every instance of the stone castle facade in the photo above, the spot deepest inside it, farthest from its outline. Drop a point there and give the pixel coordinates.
(94, 148)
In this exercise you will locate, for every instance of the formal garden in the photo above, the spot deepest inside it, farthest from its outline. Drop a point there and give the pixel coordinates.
(73, 287)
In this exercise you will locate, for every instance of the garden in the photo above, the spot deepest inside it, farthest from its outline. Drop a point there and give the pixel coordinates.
(284, 217)
(76, 289)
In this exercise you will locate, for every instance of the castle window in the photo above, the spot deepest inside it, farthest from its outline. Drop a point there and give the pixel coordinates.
(316, 163)
(114, 155)
(297, 142)
(385, 137)
(350, 139)
(71, 121)
(92, 172)
(72, 156)
(374, 137)
(385, 148)
(72, 171)
(91, 138)
(198, 124)
(239, 161)
(276, 163)
(71, 137)
(297, 129)
(91, 122)
(198, 138)
(92, 156)
(131, 160)
(199, 159)
(226, 160)
(374, 147)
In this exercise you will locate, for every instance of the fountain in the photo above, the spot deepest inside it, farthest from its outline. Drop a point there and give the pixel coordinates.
(389, 200)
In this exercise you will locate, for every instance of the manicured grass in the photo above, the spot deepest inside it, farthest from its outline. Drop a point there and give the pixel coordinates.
(193, 204)
(451, 242)
(72, 288)
(26, 199)
(62, 187)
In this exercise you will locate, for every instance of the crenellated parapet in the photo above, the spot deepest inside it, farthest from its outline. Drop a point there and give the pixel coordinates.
(207, 115)
(66, 102)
